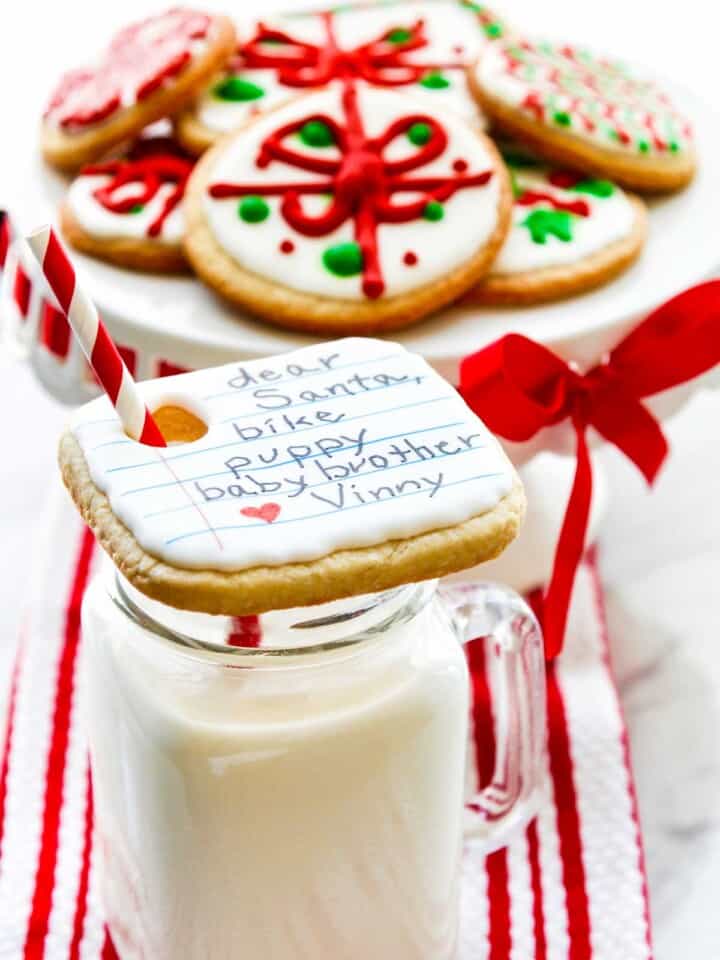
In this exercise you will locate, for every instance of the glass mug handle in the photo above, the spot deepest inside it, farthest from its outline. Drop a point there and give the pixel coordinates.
(515, 670)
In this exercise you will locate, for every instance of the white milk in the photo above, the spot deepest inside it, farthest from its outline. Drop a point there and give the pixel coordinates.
(297, 808)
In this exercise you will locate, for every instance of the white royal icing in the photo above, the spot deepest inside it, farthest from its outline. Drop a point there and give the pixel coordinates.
(470, 215)
(94, 218)
(574, 91)
(221, 116)
(345, 444)
(154, 32)
(609, 219)
(454, 36)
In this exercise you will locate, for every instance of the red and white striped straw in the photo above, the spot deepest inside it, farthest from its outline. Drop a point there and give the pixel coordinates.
(94, 339)
(6, 235)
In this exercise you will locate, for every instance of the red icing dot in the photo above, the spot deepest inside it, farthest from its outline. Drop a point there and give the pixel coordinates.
(410, 258)
(458, 48)
(287, 246)
(460, 165)
(564, 179)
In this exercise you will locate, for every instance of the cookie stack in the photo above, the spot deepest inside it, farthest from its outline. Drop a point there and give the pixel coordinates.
(347, 181)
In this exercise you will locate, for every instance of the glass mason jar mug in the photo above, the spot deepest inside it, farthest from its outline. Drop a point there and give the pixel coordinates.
(305, 797)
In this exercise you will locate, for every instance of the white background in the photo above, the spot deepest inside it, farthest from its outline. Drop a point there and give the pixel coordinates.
(660, 553)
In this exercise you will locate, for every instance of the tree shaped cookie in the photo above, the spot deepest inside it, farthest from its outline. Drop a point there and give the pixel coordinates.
(149, 70)
(585, 111)
(351, 209)
(423, 46)
(570, 233)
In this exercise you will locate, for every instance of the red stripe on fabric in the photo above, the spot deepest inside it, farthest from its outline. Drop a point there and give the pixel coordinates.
(108, 949)
(536, 885)
(59, 272)
(4, 237)
(55, 773)
(54, 330)
(7, 746)
(82, 894)
(499, 930)
(107, 364)
(599, 602)
(568, 822)
(22, 288)
(500, 933)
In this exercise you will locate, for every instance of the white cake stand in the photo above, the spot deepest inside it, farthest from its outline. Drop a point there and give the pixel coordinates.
(177, 321)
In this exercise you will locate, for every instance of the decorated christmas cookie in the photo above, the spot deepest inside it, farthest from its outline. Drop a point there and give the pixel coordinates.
(129, 211)
(348, 210)
(335, 470)
(150, 70)
(570, 233)
(585, 111)
(423, 46)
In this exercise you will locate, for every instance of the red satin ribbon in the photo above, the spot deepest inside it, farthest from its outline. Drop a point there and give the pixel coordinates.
(518, 386)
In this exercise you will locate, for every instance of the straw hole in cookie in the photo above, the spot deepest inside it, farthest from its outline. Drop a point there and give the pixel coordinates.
(179, 425)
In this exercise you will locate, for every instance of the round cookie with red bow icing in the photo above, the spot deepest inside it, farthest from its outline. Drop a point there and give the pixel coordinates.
(570, 234)
(151, 69)
(129, 211)
(351, 209)
(585, 111)
(421, 46)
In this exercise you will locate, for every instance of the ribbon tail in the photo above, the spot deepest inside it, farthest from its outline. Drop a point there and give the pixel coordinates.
(570, 547)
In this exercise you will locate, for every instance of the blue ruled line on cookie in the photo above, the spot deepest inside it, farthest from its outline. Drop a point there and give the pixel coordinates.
(325, 513)
(324, 483)
(308, 459)
(271, 436)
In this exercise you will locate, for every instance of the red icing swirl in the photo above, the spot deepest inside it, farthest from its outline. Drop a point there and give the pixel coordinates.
(381, 61)
(139, 60)
(361, 183)
(150, 173)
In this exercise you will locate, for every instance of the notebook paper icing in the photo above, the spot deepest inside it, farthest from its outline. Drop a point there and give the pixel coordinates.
(341, 445)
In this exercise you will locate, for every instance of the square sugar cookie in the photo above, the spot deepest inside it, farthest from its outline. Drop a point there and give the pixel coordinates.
(334, 470)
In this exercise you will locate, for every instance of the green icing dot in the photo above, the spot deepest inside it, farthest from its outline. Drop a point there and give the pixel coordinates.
(493, 30)
(433, 211)
(596, 188)
(562, 118)
(253, 209)
(435, 81)
(137, 208)
(419, 134)
(238, 90)
(400, 35)
(643, 146)
(316, 133)
(344, 259)
(673, 146)
(542, 223)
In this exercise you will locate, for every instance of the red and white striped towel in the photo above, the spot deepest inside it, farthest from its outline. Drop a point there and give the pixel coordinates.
(572, 887)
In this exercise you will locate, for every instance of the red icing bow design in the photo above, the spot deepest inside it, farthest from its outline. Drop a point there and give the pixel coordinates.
(518, 386)
(362, 183)
(382, 61)
(148, 174)
(140, 58)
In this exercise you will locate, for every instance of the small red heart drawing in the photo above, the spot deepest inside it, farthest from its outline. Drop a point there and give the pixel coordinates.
(267, 512)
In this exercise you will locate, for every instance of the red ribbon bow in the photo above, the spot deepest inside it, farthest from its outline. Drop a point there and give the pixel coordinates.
(518, 386)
